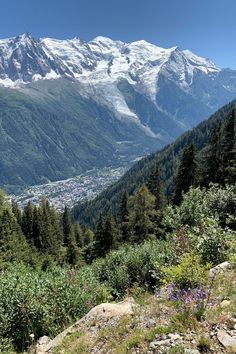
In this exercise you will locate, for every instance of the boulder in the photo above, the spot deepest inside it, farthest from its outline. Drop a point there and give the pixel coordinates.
(220, 268)
(98, 313)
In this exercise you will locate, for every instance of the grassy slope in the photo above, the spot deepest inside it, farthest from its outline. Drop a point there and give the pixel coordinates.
(154, 320)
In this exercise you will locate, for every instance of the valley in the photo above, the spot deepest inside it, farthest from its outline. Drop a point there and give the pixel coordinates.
(70, 191)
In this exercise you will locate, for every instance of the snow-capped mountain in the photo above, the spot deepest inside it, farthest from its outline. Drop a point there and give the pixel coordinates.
(170, 80)
(68, 106)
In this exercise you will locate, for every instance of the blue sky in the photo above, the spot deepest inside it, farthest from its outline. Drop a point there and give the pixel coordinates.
(207, 27)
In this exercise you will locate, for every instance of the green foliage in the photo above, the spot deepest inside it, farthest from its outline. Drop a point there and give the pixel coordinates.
(142, 216)
(186, 174)
(155, 186)
(124, 218)
(204, 344)
(189, 273)
(210, 241)
(121, 269)
(177, 349)
(43, 303)
(216, 202)
(13, 245)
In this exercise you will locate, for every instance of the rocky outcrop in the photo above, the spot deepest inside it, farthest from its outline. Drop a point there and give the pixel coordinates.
(100, 313)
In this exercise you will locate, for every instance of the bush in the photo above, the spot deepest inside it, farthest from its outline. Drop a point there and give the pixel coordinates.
(210, 241)
(130, 265)
(43, 303)
(197, 204)
(189, 273)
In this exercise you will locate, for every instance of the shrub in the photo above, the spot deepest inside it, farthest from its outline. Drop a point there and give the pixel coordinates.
(130, 265)
(210, 241)
(204, 344)
(197, 204)
(189, 273)
(43, 303)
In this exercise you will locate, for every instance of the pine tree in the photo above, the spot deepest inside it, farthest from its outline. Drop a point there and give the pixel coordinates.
(110, 233)
(66, 225)
(155, 186)
(16, 211)
(142, 215)
(88, 236)
(229, 151)
(13, 245)
(186, 174)
(211, 159)
(79, 237)
(27, 223)
(99, 247)
(124, 218)
(47, 237)
(73, 252)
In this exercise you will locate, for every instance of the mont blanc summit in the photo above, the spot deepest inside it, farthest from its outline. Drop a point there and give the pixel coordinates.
(106, 69)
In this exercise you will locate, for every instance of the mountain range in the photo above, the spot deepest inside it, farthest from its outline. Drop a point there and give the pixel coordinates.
(67, 106)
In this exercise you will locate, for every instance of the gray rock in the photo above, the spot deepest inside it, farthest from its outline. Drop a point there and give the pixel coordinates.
(220, 268)
(43, 340)
(174, 336)
(227, 341)
(191, 351)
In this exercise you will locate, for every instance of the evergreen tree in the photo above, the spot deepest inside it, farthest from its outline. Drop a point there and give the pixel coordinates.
(13, 245)
(229, 150)
(27, 223)
(79, 237)
(142, 215)
(110, 233)
(155, 186)
(186, 174)
(89, 245)
(73, 252)
(16, 211)
(36, 228)
(124, 218)
(99, 247)
(88, 236)
(231, 178)
(211, 159)
(47, 236)
(66, 225)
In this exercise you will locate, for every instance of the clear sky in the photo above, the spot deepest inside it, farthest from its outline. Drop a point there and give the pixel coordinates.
(207, 27)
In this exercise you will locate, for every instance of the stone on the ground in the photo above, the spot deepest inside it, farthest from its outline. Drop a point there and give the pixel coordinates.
(225, 303)
(227, 341)
(220, 268)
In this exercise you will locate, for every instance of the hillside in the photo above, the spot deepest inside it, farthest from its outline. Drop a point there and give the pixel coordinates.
(50, 132)
(167, 159)
(148, 323)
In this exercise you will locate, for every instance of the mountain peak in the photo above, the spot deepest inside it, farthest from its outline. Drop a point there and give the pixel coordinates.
(24, 37)
(106, 41)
